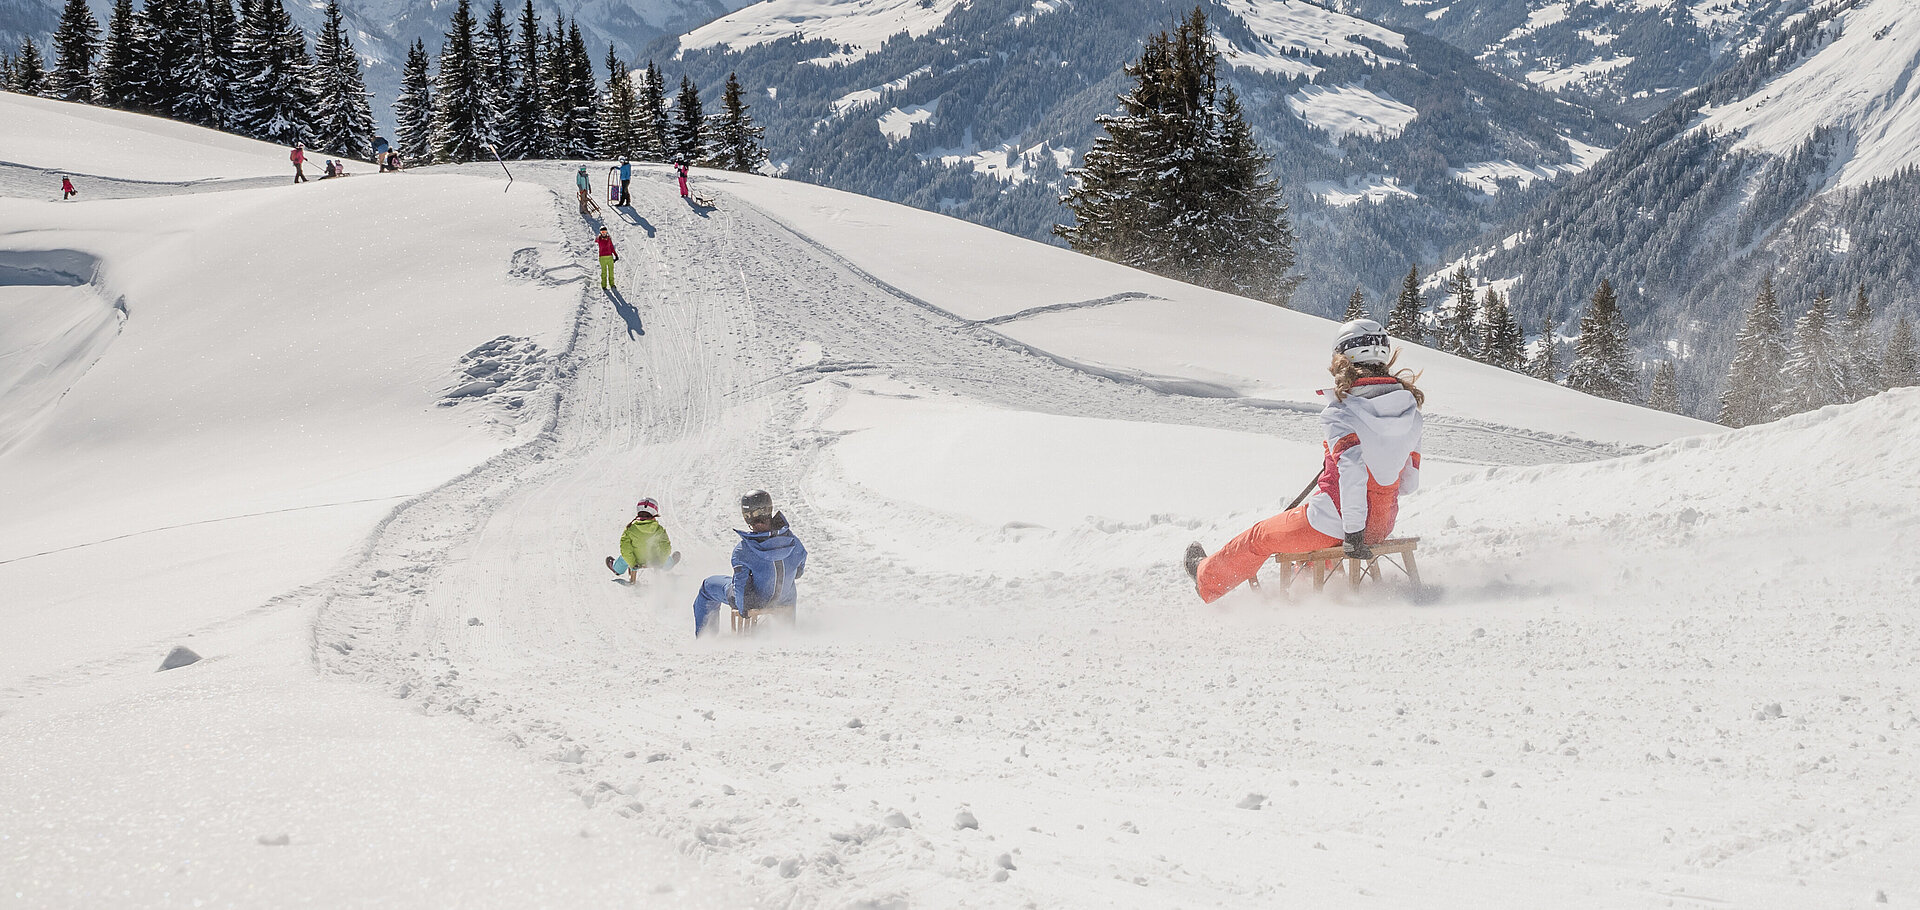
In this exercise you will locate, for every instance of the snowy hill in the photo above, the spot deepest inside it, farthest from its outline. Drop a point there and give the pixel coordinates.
(363, 444)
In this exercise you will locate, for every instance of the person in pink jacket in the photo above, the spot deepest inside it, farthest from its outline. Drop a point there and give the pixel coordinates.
(1372, 458)
(299, 157)
(607, 258)
(681, 167)
(66, 188)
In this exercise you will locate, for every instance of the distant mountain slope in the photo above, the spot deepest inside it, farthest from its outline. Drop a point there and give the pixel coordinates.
(1628, 53)
(1394, 146)
(1799, 162)
(382, 30)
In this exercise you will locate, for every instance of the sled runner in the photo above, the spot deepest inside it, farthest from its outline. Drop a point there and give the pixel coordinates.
(1333, 561)
(618, 565)
(743, 625)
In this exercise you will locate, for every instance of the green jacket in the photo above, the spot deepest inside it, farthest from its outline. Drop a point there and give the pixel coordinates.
(645, 543)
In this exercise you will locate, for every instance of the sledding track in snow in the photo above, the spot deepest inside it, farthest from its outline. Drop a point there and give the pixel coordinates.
(1115, 744)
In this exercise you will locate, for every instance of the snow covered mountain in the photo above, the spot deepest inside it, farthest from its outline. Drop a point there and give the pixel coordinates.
(362, 444)
(1798, 163)
(1628, 54)
(1395, 146)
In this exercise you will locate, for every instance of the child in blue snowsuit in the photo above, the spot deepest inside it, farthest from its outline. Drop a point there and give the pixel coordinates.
(766, 563)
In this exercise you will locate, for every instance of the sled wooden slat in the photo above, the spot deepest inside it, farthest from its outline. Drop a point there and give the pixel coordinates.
(1333, 561)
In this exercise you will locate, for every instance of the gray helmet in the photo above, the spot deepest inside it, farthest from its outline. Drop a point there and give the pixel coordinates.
(757, 506)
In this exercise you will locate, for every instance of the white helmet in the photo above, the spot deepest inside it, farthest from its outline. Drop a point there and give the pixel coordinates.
(1363, 341)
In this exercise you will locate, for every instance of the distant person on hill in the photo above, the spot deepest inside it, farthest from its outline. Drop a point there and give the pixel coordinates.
(766, 563)
(1372, 429)
(607, 257)
(626, 174)
(585, 186)
(681, 167)
(644, 544)
(298, 157)
(66, 188)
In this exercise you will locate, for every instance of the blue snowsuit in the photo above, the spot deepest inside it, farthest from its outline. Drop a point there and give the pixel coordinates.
(765, 565)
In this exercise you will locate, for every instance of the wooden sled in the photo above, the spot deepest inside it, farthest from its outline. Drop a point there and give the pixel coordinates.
(1332, 562)
(743, 625)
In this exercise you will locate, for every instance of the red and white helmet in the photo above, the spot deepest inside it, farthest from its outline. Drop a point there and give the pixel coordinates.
(647, 507)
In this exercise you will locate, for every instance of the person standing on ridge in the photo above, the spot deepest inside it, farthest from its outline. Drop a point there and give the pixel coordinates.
(644, 544)
(626, 174)
(299, 157)
(608, 256)
(766, 563)
(66, 188)
(1372, 446)
(681, 167)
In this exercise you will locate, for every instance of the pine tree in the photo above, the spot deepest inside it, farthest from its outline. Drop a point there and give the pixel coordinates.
(736, 143)
(74, 46)
(1457, 334)
(530, 129)
(1177, 185)
(689, 138)
(222, 33)
(494, 45)
(1760, 353)
(1502, 343)
(1404, 322)
(1900, 367)
(619, 118)
(651, 127)
(1356, 306)
(1857, 349)
(413, 111)
(462, 117)
(343, 118)
(116, 80)
(277, 74)
(29, 76)
(579, 131)
(170, 51)
(1601, 364)
(1815, 373)
(1665, 395)
(1545, 365)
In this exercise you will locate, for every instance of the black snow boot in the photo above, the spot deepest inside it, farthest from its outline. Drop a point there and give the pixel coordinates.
(1195, 553)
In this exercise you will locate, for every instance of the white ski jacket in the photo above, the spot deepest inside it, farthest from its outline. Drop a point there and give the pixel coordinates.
(1372, 458)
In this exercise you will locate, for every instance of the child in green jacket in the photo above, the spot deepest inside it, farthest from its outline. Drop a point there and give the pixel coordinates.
(644, 545)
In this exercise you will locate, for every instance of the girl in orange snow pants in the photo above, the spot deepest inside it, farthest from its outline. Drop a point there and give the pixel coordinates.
(1240, 559)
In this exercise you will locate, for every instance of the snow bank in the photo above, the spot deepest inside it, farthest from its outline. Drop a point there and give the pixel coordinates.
(83, 139)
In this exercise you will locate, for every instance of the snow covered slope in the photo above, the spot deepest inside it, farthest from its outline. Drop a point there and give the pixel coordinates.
(43, 133)
(1001, 692)
(862, 25)
(1859, 84)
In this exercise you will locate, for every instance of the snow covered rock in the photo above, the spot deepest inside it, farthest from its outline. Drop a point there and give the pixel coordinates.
(180, 656)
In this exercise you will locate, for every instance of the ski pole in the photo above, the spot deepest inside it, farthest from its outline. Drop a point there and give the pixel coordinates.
(503, 166)
(1303, 493)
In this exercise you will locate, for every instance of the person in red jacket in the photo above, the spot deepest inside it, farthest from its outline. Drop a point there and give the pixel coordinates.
(1372, 429)
(66, 188)
(607, 258)
(299, 157)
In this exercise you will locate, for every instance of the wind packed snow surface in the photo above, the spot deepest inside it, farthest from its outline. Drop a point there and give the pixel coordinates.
(1669, 666)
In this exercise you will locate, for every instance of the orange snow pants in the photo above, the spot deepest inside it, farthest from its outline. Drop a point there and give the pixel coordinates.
(1241, 558)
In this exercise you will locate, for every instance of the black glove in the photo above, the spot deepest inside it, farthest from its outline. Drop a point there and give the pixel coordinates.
(1356, 546)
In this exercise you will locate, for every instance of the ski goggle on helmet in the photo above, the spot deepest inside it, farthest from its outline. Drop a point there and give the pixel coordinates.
(1363, 341)
(646, 508)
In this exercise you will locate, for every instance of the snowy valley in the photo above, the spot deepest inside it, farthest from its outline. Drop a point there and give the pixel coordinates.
(362, 444)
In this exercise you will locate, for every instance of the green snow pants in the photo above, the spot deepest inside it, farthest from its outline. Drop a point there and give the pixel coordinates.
(606, 271)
